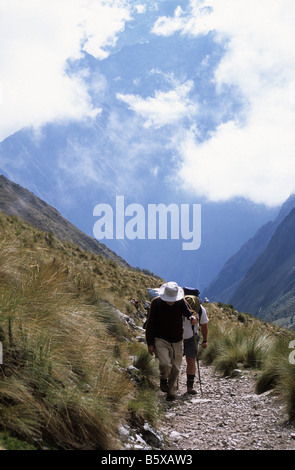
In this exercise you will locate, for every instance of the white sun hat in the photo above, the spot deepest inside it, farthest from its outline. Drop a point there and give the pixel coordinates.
(171, 292)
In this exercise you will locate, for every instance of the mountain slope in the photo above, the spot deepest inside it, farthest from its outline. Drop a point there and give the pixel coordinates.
(226, 283)
(268, 289)
(16, 200)
(70, 337)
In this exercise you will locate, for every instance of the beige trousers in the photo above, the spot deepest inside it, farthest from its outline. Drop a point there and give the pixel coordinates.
(170, 358)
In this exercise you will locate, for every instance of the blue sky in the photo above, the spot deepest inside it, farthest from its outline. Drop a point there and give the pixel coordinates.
(159, 101)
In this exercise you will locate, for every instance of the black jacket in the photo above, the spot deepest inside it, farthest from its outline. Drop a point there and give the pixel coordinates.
(166, 321)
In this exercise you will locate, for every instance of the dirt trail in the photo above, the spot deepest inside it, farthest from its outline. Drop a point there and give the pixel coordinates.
(229, 415)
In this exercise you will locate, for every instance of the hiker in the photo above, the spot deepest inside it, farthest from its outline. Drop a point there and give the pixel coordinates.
(164, 334)
(190, 345)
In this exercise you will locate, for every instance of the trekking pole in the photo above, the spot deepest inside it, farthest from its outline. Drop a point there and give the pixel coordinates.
(197, 359)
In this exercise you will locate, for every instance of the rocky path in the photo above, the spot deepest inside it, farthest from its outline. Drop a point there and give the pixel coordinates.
(229, 415)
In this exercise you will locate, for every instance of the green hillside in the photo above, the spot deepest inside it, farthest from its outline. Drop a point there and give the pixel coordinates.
(65, 381)
(16, 200)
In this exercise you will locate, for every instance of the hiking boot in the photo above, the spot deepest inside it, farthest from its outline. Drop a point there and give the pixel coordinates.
(164, 385)
(170, 397)
(191, 391)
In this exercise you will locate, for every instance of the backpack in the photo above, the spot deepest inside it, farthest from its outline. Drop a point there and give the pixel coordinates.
(191, 291)
(194, 303)
(152, 293)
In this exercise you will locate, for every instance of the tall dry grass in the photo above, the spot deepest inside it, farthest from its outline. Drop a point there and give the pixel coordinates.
(63, 383)
(278, 374)
(242, 342)
(236, 344)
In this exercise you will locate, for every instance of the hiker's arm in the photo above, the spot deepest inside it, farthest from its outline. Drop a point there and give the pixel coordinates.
(193, 320)
(204, 331)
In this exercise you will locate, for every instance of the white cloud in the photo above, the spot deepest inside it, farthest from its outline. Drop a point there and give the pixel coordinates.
(252, 158)
(230, 163)
(102, 21)
(37, 39)
(166, 26)
(140, 8)
(196, 20)
(163, 108)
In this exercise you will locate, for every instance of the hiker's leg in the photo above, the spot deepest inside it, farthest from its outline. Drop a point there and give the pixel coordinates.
(190, 357)
(190, 354)
(176, 351)
(190, 365)
(190, 374)
(163, 354)
(190, 384)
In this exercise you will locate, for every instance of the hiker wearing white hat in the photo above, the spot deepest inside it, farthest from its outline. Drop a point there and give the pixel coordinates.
(171, 292)
(164, 334)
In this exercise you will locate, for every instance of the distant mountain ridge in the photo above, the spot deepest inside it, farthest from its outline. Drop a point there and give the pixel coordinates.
(260, 277)
(18, 201)
(224, 286)
(268, 289)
